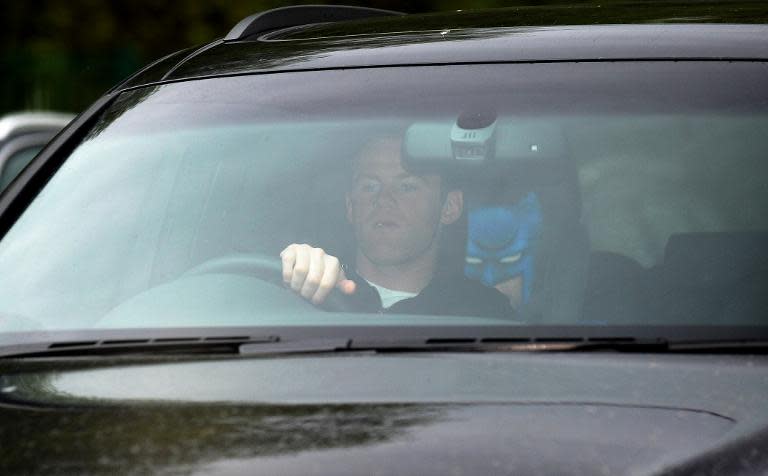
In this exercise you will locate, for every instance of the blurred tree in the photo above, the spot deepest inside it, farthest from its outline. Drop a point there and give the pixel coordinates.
(63, 54)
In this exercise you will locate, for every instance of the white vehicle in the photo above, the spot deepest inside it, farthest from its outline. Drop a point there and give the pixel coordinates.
(22, 136)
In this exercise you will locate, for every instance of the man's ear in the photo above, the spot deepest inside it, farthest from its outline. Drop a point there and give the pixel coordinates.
(452, 207)
(349, 207)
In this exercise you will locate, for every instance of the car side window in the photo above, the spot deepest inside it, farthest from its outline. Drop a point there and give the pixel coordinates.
(14, 164)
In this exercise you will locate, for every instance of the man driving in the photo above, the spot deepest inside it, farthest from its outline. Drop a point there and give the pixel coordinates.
(398, 218)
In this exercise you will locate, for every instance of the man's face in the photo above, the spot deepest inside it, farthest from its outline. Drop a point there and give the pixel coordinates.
(396, 215)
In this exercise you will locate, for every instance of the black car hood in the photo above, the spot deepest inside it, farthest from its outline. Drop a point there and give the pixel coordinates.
(384, 414)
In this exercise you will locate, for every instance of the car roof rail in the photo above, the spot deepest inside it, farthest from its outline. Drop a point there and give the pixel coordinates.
(286, 17)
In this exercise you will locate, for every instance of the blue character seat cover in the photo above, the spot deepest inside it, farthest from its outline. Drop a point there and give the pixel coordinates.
(501, 242)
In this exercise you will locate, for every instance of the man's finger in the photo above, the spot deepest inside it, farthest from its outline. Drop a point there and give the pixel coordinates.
(301, 268)
(330, 277)
(347, 286)
(288, 257)
(314, 274)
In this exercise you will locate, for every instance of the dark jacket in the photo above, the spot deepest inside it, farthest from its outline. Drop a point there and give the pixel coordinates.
(446, 294)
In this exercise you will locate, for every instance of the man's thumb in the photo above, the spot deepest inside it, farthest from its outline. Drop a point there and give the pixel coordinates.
(347, 286)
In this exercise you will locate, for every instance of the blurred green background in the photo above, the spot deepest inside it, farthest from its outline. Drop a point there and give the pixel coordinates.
(64, 54)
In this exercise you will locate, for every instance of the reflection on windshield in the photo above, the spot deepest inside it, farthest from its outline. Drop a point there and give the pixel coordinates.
(195, 204)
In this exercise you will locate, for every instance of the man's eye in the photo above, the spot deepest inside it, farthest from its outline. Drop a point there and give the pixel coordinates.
(511, 259)
(409, 186)
(369, 187)
(473, 260)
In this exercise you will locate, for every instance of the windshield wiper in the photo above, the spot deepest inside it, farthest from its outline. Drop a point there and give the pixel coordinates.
(449, 345)
(163, 345)
(549, 344)
(495, 344)
(725, 346)
(453, 344)
(261, 345)
(245, 345)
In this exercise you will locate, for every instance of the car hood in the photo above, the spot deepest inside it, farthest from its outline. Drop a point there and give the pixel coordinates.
(397, 414)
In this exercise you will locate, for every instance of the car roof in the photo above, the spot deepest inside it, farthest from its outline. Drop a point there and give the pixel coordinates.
(454, 39)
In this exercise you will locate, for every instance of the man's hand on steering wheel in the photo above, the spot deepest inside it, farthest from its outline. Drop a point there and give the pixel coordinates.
(312, 273)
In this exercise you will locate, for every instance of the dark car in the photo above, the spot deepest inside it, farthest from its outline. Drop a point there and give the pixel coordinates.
(554, 243)
(22, 136)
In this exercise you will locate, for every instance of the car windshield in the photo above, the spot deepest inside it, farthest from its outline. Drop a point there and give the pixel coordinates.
(595, 193)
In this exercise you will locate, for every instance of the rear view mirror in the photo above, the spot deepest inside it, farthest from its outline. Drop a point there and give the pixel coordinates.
(513, 140)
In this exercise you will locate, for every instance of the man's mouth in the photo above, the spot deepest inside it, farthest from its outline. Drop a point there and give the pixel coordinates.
(385, 224)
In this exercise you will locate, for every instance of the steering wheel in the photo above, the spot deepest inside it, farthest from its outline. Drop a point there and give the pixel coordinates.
(265, 268)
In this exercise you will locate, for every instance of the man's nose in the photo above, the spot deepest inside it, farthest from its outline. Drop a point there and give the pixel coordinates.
(385, 197)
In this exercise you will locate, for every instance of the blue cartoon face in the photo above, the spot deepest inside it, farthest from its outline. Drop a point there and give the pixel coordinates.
(501, 241)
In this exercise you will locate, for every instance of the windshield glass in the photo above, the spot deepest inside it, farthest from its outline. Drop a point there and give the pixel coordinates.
(564, 193)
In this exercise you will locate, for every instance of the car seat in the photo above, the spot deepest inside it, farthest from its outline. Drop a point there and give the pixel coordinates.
(718, 278)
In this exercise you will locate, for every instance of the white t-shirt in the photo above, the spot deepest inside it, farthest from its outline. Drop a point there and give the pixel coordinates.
(390, 296)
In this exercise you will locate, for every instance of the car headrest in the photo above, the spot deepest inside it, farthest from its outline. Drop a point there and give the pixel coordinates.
(714, 259)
